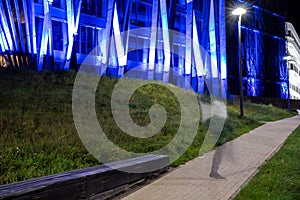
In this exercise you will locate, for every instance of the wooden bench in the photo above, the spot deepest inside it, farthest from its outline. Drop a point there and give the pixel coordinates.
(98, 182)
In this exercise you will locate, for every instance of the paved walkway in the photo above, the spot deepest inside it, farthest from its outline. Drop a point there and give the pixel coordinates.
(241, 158)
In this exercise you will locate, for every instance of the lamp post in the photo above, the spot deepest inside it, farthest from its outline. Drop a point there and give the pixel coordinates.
(288, 59)
(239, 12)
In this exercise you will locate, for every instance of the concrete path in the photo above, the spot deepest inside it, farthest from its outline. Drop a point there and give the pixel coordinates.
(239, 161)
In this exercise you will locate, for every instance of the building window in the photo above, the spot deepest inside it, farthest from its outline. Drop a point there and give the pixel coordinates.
(181, 2)
(83, 40)
(90, 39)
(57, 35)
(141, 7)
(56, 3)
(198, 5)
(86, 40)
(92, 7)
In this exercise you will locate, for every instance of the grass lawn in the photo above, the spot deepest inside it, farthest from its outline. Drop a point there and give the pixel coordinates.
(279, 177)
(38, 135)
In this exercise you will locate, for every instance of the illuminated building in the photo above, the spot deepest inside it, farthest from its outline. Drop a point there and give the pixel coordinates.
(293, 60)
(263, 49)
(58, 35)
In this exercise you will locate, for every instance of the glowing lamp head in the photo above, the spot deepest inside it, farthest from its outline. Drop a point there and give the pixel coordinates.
(239, 11)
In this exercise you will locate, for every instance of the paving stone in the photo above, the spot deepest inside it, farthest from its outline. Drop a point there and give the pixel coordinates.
(240, 160)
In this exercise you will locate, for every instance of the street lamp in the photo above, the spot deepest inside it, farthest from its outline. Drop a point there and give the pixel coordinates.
(239, 12)
(288, 59)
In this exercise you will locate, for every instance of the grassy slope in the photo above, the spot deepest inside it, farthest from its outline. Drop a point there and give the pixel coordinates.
(38, 136)
(279, 177)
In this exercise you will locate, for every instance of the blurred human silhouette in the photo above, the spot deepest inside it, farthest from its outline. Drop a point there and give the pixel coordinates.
(216, 162)
(214, 115)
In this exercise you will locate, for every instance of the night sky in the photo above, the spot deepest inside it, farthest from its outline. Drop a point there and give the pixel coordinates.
(293, 14)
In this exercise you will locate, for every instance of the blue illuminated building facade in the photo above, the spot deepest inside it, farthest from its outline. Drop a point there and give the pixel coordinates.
(263, 50)
(59, 34)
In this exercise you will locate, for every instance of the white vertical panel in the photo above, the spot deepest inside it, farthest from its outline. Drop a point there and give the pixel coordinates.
(12, 25)
(50, 34)
(6, 31)
(122, 58)
(78, 8)
(70, 20)
(45, 35)
(3, 43)
(222, 26)
(65, 37)
(197, 49)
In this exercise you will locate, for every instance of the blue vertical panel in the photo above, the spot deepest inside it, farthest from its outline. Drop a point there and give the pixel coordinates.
(50, 33)
(39, 30)
(205, 40)
(223, 53)
(249, 49)
(188, 43)
(260, 53)
(126, 17)
(18, 18)
(252, 82)
(283, 68)
(104, 4)
(250, 61)
(62, 4)
(26, 23)
(205, 25)
(189, 35)
(198, 56)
